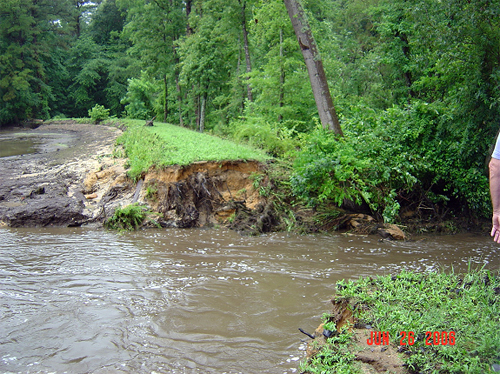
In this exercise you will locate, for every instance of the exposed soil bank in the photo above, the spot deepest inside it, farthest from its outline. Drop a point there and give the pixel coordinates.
(73, 180)
(197, 195)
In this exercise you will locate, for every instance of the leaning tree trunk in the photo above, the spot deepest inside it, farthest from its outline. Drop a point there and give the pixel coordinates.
(317, 76)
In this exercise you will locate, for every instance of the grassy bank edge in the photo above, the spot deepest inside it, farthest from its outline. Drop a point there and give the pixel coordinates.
(467, 304)
(165, 144)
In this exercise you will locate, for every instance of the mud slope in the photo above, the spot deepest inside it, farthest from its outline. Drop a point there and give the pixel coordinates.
(45, 188)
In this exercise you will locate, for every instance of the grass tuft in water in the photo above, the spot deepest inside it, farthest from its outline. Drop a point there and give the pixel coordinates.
(128, 218)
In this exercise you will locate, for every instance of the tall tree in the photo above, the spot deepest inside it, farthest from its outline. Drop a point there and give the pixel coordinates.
(27, 31)
(279, 77)
(154, 29)
(312, 58)
(88, 66)
(107, 21)
(209, 58)
(82, 14)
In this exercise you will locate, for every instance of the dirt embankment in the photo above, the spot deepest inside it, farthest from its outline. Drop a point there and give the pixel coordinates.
(376, 357)
(74, 180)
(197, 195)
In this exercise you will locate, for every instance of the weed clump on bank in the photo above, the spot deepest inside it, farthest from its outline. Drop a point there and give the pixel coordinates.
(98, 113)
(128, 218)
(441, 323)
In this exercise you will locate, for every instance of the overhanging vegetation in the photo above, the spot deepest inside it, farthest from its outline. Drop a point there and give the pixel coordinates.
(164, 144)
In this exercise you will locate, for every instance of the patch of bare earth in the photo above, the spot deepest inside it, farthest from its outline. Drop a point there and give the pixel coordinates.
(45, 188)
(376, 358)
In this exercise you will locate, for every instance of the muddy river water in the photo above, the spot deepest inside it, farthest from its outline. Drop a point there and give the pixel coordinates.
(75, 300)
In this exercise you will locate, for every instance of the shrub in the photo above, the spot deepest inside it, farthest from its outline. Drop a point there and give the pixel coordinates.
(357, 168)
(142, 100)
(98, 113)
(386, 154)
(276, 139)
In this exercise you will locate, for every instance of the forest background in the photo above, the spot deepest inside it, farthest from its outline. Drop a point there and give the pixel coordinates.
(416, 85)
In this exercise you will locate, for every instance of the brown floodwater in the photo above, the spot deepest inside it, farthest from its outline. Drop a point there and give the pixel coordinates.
(74, 300)
(15, 147)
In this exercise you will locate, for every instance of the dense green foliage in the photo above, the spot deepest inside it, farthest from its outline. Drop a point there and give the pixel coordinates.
(61, 58)
(416, 85)
(467, 304)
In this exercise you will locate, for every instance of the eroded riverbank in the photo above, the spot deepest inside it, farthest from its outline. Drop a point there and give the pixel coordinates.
(73, 179)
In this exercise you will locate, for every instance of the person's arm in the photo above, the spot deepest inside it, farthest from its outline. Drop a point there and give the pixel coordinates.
(495, 197)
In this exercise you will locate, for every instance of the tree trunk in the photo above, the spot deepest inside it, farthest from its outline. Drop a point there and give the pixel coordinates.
(165, 108)
(245, 45)
(317, 76)
(177, 83)
(202, 112)
(77, 25)
(189, 30)
(406, 74)
(197, 110)
(179, 99)
(282, 78)
(238, 74)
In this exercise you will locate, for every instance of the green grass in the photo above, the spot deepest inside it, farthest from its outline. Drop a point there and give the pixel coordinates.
(336, 356)
(164, 144)
(468, 305)
(127, 218)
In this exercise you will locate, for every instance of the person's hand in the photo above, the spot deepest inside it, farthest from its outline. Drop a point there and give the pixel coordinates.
(495, 230)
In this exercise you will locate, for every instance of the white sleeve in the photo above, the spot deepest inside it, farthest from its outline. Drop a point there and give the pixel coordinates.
(496, 151)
